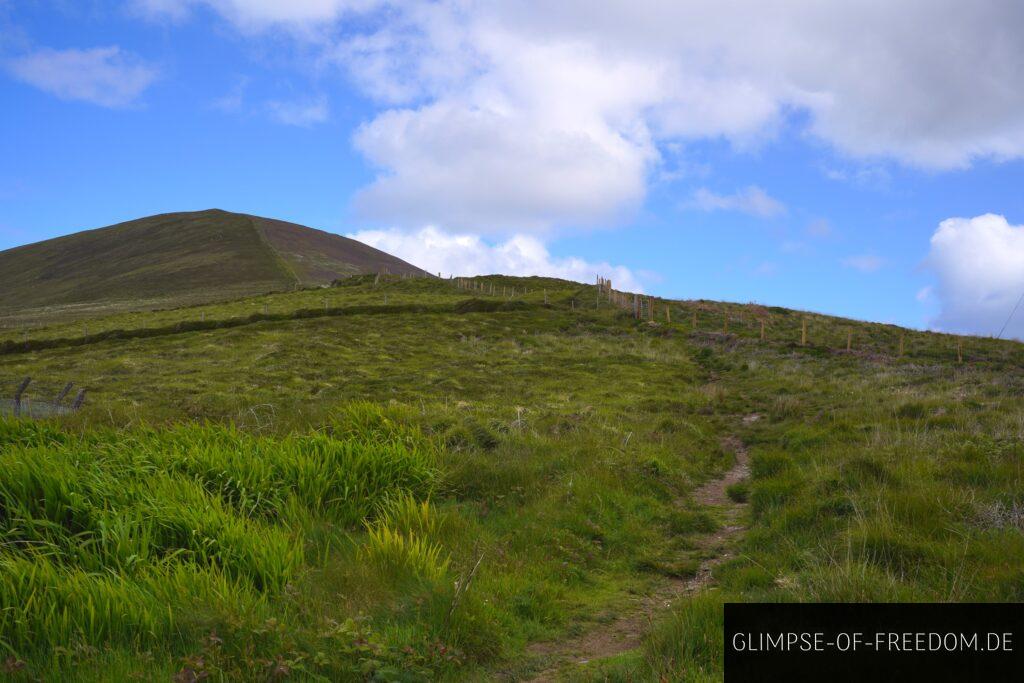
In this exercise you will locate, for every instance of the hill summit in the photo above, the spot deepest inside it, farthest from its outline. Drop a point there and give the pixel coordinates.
(177, 259)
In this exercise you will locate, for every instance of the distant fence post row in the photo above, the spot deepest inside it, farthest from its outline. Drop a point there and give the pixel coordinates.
(488, 288)
(643, 307)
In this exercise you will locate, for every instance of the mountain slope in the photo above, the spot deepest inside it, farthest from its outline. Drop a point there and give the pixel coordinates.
(317, 257)
(179, 258)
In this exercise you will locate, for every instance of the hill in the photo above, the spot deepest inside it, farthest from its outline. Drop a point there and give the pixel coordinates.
(174, 259)
(492, 478)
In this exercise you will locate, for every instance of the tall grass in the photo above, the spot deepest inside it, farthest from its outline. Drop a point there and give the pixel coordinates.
(118, 535)
(397, 554)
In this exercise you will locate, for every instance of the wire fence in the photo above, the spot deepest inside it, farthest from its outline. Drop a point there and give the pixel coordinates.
(37, 400)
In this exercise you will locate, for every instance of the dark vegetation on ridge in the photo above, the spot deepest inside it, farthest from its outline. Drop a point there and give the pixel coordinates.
(174, 259)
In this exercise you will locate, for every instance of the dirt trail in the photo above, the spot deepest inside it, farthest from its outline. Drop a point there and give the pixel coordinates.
(625, 631)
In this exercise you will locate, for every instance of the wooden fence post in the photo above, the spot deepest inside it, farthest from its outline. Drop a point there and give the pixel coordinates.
(694, 319)
(725, 321)
(17, 395)
(901, 344)
(762, 329)
(79, 400)
(63, 392)
(668, 314)
(803, 332)
(849, 340)
(959, 352)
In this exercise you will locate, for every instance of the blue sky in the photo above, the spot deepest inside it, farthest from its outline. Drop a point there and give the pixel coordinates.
(711, 150)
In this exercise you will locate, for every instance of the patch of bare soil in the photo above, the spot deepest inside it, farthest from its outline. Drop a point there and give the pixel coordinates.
(625, 630)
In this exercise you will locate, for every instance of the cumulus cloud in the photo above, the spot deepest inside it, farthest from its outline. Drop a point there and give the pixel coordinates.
(567, 109)
(304, 113)
(751, 200)
(106, 76)
(865, 263)
(437, 250)
(622, 82)
(549, 135)
(492, 171)
(979, 267)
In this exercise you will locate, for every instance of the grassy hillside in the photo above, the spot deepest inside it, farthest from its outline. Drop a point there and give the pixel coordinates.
(426, 479)
(174, 259)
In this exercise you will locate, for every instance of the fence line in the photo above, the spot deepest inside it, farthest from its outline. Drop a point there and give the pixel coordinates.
(21, 405)
(640, 307)
(643, 307)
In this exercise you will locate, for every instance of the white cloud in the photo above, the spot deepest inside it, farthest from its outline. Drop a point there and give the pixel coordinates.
(532, 114)
(303, 113)
(866, 263)
(528, 79)
(924, 294)
(979, 266)
(549, 135)
(436, 250)
(106, 76)
(490, 170)
(750, 200)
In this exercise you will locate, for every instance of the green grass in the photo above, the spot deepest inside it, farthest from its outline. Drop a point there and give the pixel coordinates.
(308, 492)
(687, 644)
